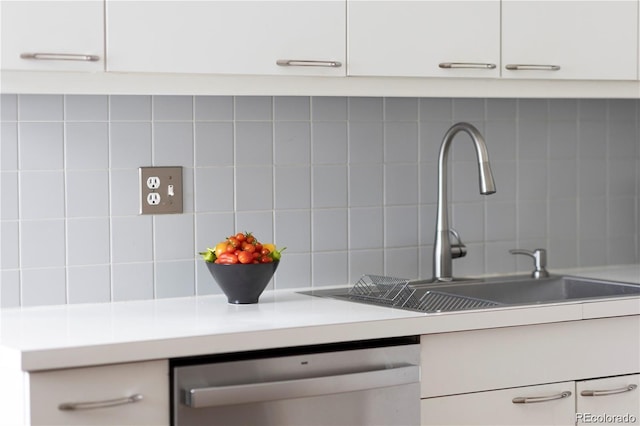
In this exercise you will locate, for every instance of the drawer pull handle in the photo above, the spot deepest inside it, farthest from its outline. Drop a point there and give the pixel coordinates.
(532, 67)
(307, 63)
(92, 405)
(60, 57)
(533, 399)
(466, 65)
(608, 391)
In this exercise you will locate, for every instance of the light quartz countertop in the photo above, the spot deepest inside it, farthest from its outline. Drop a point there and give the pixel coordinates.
(65, 336)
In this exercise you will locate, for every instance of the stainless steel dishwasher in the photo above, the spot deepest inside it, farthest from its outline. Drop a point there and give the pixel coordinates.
(345, 384)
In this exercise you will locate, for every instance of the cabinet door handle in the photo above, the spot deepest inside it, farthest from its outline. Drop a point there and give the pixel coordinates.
(467, 65)
(307, 63)
(628, 388)
(532, 67)
(532, 399)
(92, 405)
(60, 57)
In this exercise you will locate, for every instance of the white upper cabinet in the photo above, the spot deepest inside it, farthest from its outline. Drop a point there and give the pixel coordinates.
(52, 35)
(588, 40)
(424, 38)
(261, 37)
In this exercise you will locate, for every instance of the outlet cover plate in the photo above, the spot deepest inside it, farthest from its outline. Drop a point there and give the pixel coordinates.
(169, 190)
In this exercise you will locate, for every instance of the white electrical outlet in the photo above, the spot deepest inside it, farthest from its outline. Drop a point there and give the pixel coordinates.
(153, 199)
(153, 182)
(160, 190)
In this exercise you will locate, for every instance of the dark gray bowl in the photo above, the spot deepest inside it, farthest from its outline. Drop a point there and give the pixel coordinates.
(243, 283)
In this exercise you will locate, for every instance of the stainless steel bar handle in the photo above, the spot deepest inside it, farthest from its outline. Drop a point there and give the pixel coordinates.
(532, 67)
(628, 388)
(534, 399)
(467, 65)
(307, 63)
(60, 57)
(297, 388)
(92, 405)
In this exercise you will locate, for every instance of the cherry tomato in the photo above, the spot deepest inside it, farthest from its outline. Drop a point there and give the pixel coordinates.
(248, 247)
(240, 236)
(266, 259)
(230, 248)
(245, 257)
(234, 241)
(250, 238)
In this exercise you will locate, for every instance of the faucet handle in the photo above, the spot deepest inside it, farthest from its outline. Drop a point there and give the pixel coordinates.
(458, 249)
(539, 261)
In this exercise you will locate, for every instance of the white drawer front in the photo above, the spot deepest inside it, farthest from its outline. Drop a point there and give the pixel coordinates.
(98, 384)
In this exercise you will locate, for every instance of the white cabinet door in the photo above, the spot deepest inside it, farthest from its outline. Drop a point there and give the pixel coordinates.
(613, 400)
(227, 37)
(570, 39)
(551, 404)
(424, 38)
(52, 35)
(100, 395)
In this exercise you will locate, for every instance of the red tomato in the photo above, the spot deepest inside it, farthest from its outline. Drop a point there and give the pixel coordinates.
(228, 258)
(240, 236)
(266, 259)
(248, 247)
(245, 257)
(234, 241)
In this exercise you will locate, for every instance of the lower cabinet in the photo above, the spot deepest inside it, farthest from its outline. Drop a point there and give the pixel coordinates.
(551, 404)
(611, 400)
(121, 394)
(565, 373)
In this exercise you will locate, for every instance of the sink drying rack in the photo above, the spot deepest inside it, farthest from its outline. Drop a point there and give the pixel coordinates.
(397, 292)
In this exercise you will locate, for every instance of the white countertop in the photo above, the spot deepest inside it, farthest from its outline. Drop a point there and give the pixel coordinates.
(41, 338)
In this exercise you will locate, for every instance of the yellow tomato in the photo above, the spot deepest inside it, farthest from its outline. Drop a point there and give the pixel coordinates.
(221, 248)
(269, 247)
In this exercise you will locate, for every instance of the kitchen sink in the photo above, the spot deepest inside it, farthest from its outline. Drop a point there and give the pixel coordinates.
(432, 297)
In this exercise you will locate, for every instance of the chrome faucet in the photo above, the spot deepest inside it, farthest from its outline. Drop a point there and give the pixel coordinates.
(443, 250)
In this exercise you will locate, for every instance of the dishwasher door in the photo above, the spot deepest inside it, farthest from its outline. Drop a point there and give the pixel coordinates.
(377, 385)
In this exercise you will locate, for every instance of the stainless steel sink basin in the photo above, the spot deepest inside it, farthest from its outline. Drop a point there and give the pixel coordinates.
(521, 290)
(430, 297)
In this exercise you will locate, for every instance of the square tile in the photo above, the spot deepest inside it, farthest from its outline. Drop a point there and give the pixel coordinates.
(86, 107)
(43, 287)
(87, 193)
(252, 108)
(329, 108)
(132, 281)
(87, 146)
(9, 146)
(401, 263)
(468, 220)
(41, 108)
(41, 146)
(294, 273)
(365, 109)
(501, 110)
(329, 228)
(329, 143)
(42, 195)
(173, 144)
(9, 289)
(9, 188)
(213, 144)
(247, 198)
(292, 142)
(89, 284)
(400, 142)
(131, 239)
(88, 241)
(174, 279)
(293, 229)
(563, 219)
(468, 109)
(434, 109)
(363, 262)
(329, 186)
(9, 245)
(401, 109)
(292, 108)
(401, 184)
(400, 226)
(173, 237)
(124, 196)
(211, 228)
(254, 143)
(172, 108)
(129, 108)
(331, 268)
(42, 243)
(365, 185)
(260, 223)
(130, 145)
(366, 143)
(214, 189)
(366, 228)
(293, 187)
(213, 108)
(8, 107)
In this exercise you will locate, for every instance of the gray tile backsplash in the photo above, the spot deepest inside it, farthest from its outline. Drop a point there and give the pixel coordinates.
(347, 184)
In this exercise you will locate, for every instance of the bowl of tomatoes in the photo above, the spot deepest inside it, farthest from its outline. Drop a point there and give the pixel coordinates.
(242, 266)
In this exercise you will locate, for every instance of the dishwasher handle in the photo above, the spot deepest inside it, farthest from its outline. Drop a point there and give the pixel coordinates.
(298, 388)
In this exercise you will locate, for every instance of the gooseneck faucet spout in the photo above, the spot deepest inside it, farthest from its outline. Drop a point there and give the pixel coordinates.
(443, 250)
